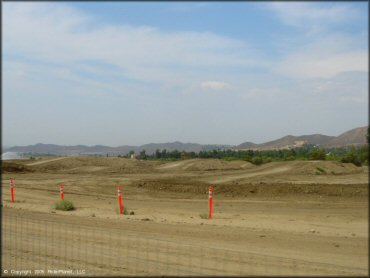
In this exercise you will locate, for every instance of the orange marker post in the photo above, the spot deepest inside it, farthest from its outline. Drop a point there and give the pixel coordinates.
(120, 203)
(210, 201)
(61, 190)
(12, 190)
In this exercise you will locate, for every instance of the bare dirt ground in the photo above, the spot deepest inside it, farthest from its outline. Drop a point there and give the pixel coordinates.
(281, 218)
(45, 161)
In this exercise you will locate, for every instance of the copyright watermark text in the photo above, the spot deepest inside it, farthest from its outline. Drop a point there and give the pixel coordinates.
(47, 272)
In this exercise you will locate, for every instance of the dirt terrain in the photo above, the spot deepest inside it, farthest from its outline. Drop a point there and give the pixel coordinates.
(280, 218)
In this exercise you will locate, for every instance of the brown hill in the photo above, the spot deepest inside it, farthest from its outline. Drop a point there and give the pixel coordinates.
(356, 136)
(296, 141)
(288, 141)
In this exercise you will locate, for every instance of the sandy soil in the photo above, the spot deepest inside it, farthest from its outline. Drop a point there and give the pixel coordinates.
(45, 161)
(289, 218)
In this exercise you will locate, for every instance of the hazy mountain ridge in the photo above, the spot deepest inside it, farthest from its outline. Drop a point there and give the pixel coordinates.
(291, 141)
(356, 136)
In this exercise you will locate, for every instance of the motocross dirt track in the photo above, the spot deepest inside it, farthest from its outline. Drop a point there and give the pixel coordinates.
(280, 218)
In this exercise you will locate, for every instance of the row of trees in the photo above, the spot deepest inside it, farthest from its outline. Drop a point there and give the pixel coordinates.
(356, 155)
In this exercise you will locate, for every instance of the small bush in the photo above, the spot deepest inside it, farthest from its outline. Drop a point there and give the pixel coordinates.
(64, 205)
(268, 160)
(289, 158)
(203, 215)
(317, 154)
(351, 158)
(125, 211)
(257, 160)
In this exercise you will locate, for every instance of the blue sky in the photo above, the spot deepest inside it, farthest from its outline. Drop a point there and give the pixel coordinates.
(205, 72)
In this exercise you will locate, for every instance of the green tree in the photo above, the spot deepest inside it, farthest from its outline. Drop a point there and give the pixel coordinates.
(143, 155)
(164, 153)
(317, 154)
(352, 157)
(158, 154)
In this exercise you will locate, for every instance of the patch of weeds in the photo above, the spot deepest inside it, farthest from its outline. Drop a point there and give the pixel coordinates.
(203, 215)
(125, 211)
(64, 205)
(321, 170)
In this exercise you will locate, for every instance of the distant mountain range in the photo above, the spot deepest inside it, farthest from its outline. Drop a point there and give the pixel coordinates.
(100, 149)
(355, 136)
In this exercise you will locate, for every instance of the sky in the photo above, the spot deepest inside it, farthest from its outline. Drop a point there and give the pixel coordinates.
(125, 73)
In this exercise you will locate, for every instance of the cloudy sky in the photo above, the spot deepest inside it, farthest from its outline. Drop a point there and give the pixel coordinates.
(218, 73)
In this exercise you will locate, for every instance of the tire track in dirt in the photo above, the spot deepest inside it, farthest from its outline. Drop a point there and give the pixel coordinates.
(112, 250)
(45, 161)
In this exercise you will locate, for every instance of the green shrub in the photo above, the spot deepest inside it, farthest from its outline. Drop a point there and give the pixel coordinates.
(257, 160)
(125, 211)
(317, 154)
(351, 158)
(268, 160)
(64, 205)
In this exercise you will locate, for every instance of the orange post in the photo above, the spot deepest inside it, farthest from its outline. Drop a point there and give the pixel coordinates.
(120, 203)
(12, 190)
(210, 201)
(61, 190)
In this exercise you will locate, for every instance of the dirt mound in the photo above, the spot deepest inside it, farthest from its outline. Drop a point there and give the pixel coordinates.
(205, 165)
(216, 164)
(11, 167)
(324, 168)
(239, 190)
(75, 165)
(289, 189)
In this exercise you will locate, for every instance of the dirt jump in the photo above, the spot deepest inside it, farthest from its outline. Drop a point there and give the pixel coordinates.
(279, 218)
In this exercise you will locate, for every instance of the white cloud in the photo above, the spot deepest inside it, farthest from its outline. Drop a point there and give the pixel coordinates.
(301, 14)
(60, 36)
(262, 93)
(60, 40)
(187, 7)
(322, 50)
(313, 65)
(65, 37)
(135, 73)
(354, 99)
(215, 85)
